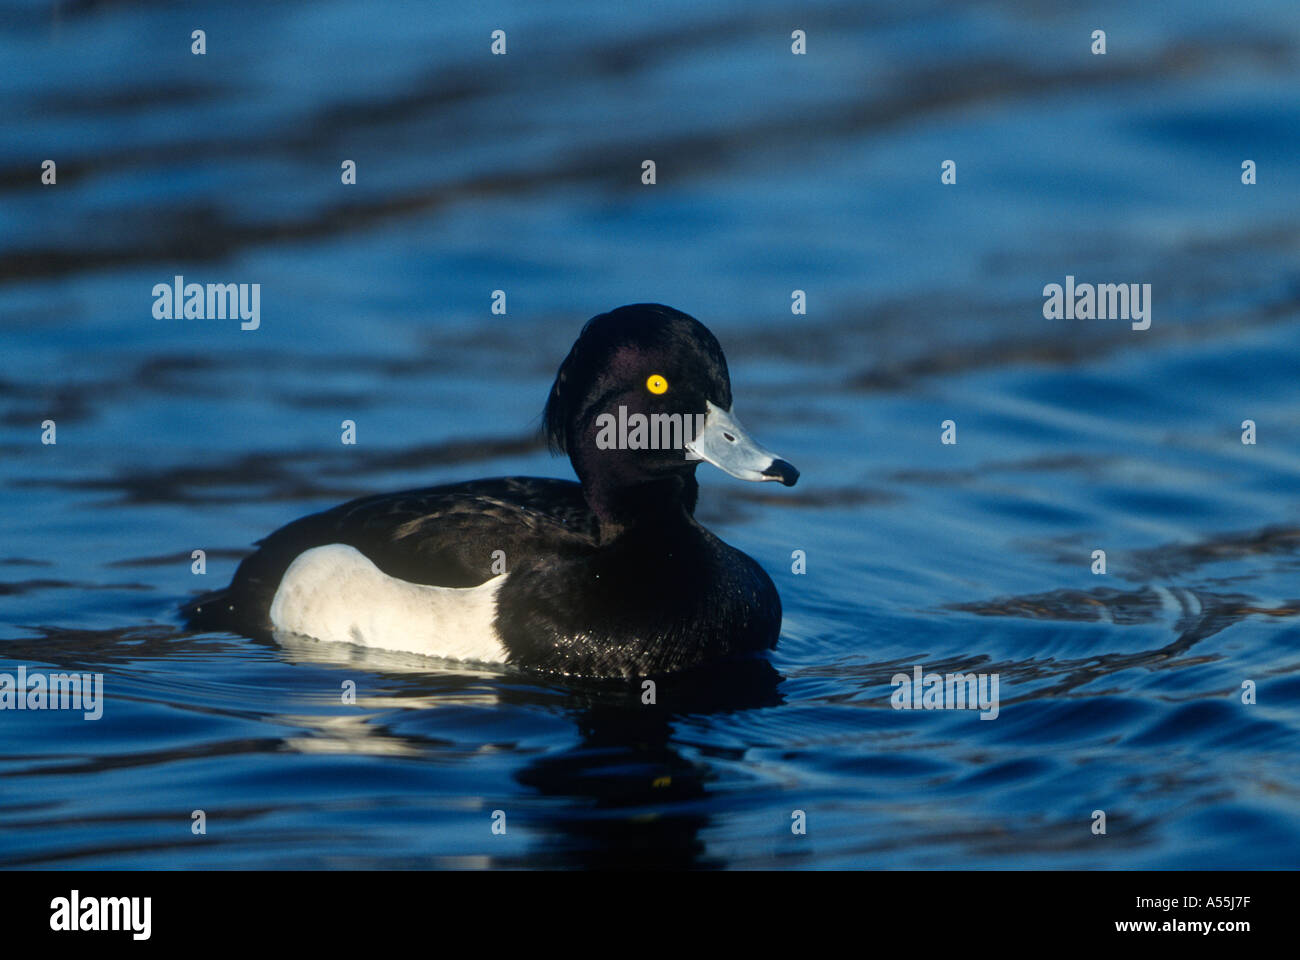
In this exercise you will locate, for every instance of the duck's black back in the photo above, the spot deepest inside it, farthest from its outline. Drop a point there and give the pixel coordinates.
(444, 536)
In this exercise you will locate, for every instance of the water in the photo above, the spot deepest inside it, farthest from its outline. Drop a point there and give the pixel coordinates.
(1119, 693)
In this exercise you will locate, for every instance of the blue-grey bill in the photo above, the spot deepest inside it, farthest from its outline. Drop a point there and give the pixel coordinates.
(724, 443)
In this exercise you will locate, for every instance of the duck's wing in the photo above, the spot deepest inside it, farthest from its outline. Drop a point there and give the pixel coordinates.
(447, 536)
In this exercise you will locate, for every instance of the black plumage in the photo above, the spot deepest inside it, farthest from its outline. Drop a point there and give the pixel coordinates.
(611, 576)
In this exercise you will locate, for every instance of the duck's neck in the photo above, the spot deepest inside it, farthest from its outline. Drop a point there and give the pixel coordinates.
(653, 504)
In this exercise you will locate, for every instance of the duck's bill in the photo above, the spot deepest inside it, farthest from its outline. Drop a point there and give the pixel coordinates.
(724, 443)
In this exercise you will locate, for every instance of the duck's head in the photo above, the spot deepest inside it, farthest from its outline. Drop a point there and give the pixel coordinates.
(644, 396)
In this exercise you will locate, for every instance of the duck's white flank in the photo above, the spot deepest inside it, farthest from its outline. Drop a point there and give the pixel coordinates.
(335, 593)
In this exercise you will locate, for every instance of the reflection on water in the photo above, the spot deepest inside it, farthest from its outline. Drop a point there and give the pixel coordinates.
(1121, 692)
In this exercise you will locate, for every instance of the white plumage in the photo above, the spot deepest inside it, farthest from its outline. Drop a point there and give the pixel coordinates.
(335, 593)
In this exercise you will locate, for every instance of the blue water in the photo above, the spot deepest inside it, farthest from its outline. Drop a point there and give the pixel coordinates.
(1119, 692)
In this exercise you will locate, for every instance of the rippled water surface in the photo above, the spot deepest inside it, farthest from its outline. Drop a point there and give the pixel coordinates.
(1119, 693)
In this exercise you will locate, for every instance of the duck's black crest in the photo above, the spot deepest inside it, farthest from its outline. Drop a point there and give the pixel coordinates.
(645, 328)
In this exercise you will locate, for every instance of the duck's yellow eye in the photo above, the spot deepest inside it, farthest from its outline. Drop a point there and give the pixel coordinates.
(656, 383)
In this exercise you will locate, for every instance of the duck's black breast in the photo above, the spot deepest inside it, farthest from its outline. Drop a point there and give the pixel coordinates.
(447, 536)
(658, 599)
